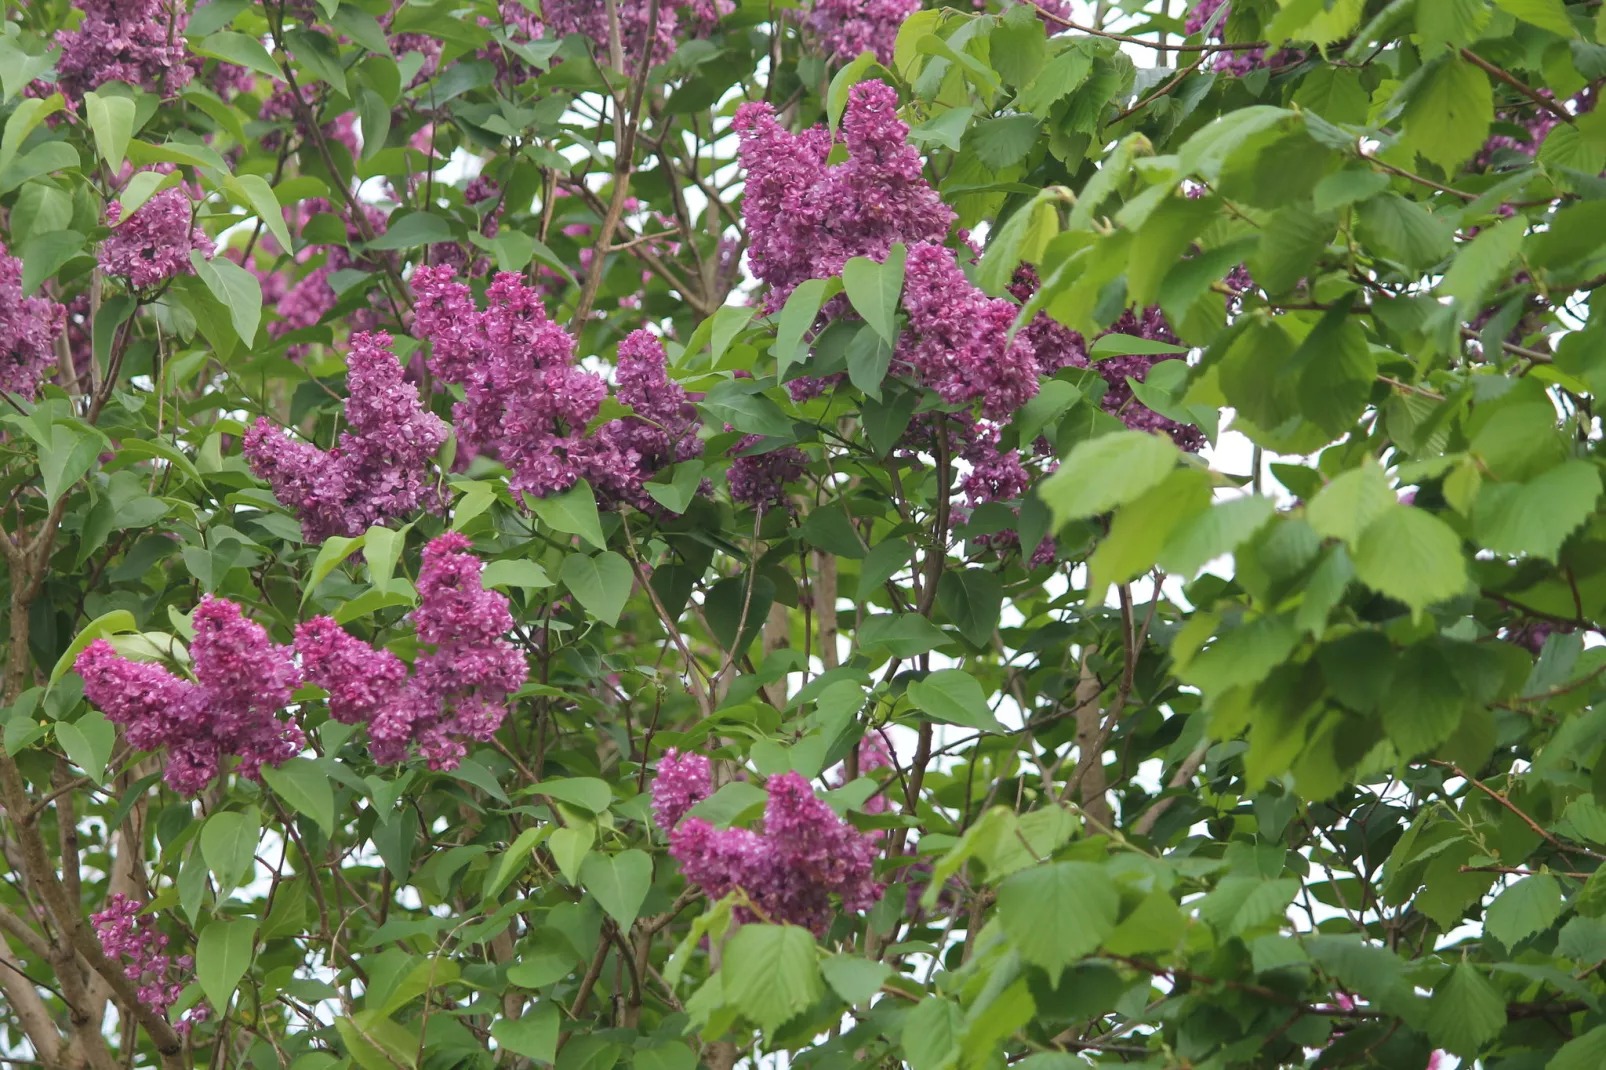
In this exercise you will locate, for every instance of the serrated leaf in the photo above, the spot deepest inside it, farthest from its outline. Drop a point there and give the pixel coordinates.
(1108, 471)
(1411, 556)
(771, 973)
(1536, 517)
(1447, 118)
(1057, 913)
(1525, 908)
(1466, 1011)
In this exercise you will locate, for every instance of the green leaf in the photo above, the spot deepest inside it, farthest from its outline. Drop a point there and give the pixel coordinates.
(262, 200)
(318, 55)
(229, 843)
(511, 862)
(955, 697)
(44, 254)
(235, 288)
(1058, 913)
(1219, 530)
(1337, 372)
(1004, 142)
(88, 742)
(71, 455)
(885, 560)
(973, 598)
(1343, 508)
(1120, 345)
(588, 793)
(1546, 14)
(115, 622)
(903, 635)
(1482, 263)
(728, 322)
(1054, 399)
(802, 308)
(412, 230)
(827, 528)
(1140, 528)
(1447, 117)
(573, 512)
(732, 402)
(731, 803)
(334, 550)
(601, 584)
(222, 955)
(684, 481)
(1423, 703)
(514, 573)
(619, 882)
(1344, 188)
(375, 116)
(1585, 1052)
(240, 49)
(1536, 517)
(771, 973)
(18, 68)
(1405, 231)
(931, 1034)
(873, 290)
(1108, 471)
(836, 96)
(1412, 556)
(112, 121)
(382, 548)
(1525, 908)
(1466, 1012)
(868, 358)
(303, 783)
(853, 978)
(533, 1035)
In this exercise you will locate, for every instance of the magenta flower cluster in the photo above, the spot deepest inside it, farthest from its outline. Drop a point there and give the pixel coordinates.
(154, 243)
(1236, 62)
(804, 855)
(759, 480)
(637, 22)
(845, 28)
(140, 42)
(29, 327)
(806, 218)
(243, 682)
(380, 467)
(529, 405)
(460, 684)
(130, 936)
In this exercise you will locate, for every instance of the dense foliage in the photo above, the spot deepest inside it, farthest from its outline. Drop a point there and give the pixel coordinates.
(625, 532)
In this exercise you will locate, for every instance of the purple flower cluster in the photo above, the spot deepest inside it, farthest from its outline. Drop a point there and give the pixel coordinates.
(845, 28)
(526, 401)
(380, 466)
(1057, 346)
(154, 243)
(460, 685)
(806, 218)
(759, 479)
(29, 327)
(140, 42)
(804, 855)
(1238, 62)
(958, 340)
(244, 680)
(636, 23)
(1537, 126)
(126, 933)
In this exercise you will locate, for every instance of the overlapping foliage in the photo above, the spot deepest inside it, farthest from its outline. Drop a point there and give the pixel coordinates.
(633, 533)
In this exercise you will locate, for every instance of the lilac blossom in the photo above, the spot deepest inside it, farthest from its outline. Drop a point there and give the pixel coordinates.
(244, 682)
(154, 243)
(1236, 62)
(129, 935)
(845, 28)
(637, 21)
(759, 479)
(683, 781)
(140, 42)
(460, 684)
(789, 871)
(958, 340)
(806, 218)
(29, 327)
(379, 468)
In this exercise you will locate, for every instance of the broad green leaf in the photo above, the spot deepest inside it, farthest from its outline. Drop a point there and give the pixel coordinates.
(330, 555)
(588, 793)
(973, 599)
(573, 512)
(45, 254)
(885, 560)
(853, 978)
(229, 843)
(1536, 517)
(304, 785)
(685, 479)
(241, 49)
(828, 528)
(1141, 528)
(261, 199)
(1054, 399)
(954, 696)
(802, 308)
(514, 573)
(931, 1034)
(511, 862)
(412, 230)
(868, 357)
(112, 121)
(1108, 471)
(114, 622)
(619, 882)
(729, 321)
(1337, 372)
(1343, 508)
(1404, 230)
(836, 96)
(1120, 345)
(601, 584)
(873, 290)
(732, 402)
(1546, 14)
(903, 635)
(88, 742)
(1525, 908)
(1584, 1052)
(222, 955)
(382, 548)
(771, 973)
(1466, 1012)
(72, 453)
(1059, 912)
(533, 1035)
(235, 288)
(1412, 556)
(1219, 530)
(1447, 117)
(1482, 263)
